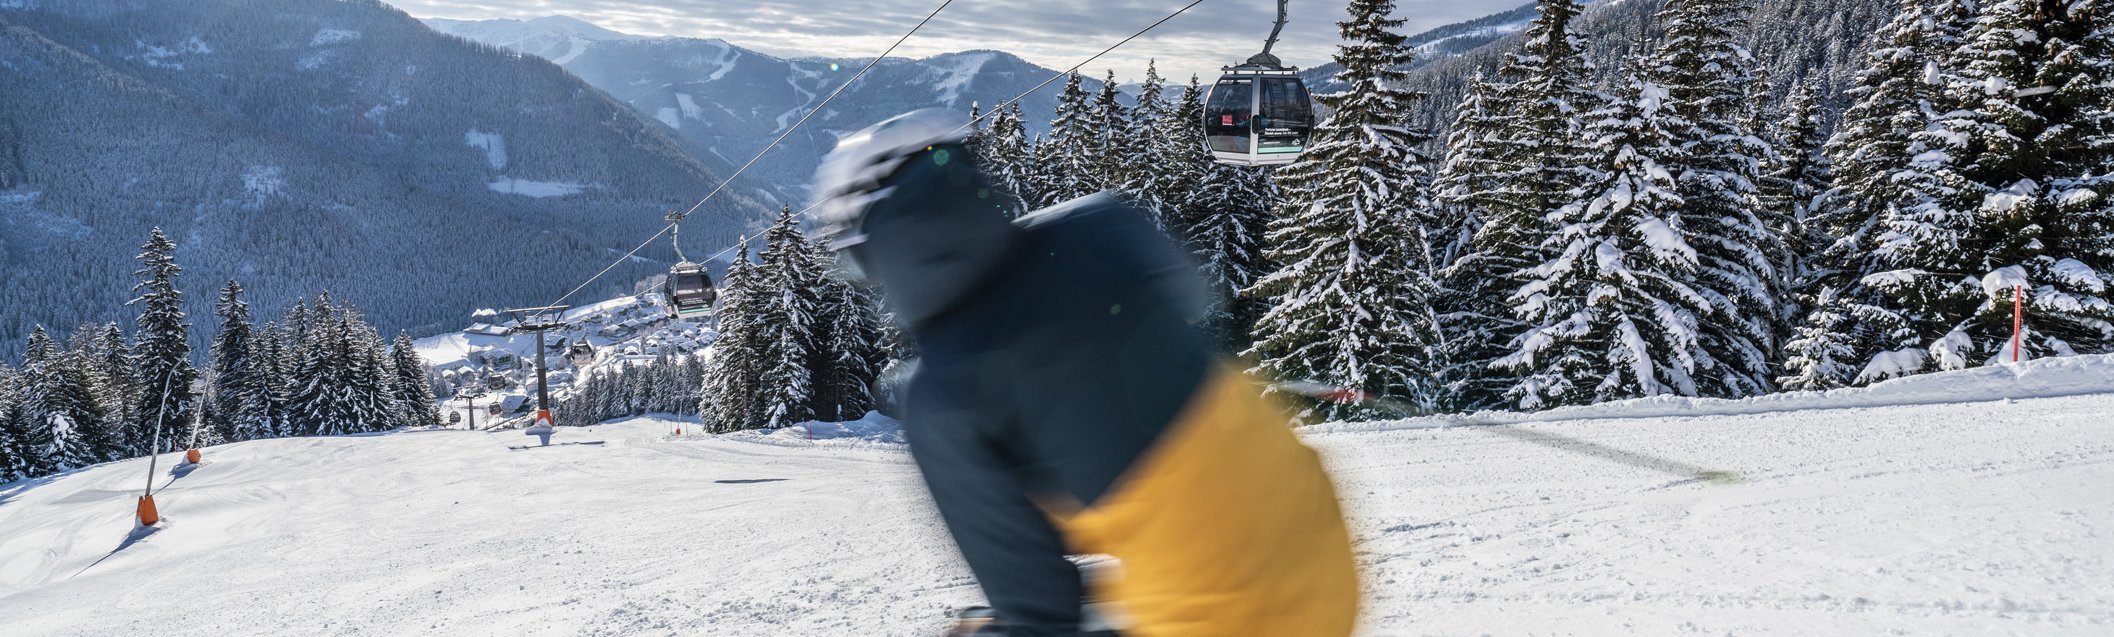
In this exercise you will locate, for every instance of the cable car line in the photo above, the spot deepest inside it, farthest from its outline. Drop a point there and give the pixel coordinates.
(676, 219)
(1075, 67)
(803, 211)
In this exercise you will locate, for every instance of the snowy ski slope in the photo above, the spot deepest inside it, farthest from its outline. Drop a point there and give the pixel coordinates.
(1854, 518)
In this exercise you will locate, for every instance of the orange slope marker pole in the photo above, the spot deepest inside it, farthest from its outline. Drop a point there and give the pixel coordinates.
(2018, 319)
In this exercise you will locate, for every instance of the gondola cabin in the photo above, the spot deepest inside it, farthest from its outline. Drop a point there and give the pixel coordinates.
(1258, 115)
(690, 291)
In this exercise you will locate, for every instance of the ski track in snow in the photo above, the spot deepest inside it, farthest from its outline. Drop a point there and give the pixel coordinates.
(1965, 518)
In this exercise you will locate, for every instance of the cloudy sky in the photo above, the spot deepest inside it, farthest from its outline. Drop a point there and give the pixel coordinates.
(1052, 33)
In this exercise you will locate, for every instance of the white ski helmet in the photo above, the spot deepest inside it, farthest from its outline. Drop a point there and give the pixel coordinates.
(849, 180)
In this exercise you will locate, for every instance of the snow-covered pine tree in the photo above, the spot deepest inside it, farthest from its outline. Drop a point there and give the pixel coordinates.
(1798, 172)
(414, 393)
(1484, 245)
(14, 452)
(1144, 167)
(103, 436)
(163, 352)
(241, 402)
(1706, 75)
(1878, 174)
(317, 405)
(121, 386)
(1351, 305)
(826, 377)
(1468, 179)
(1522, 162)
(854, 332)
(729, 397)
(1179, 162)
(1614, 314)
(1001, 148)
(1113, 144)
(1545, 90)
(788, 278)
(2029, 152)
(295, 321)
(272, 364)
(1819, 353)
(1229, 216)
(60, 406)
(1064, 162)
(693, 375)
(371, 382)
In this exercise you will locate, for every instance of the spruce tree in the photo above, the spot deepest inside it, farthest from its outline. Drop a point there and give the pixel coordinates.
(370, 390)
(14, 452)
(241, 402)
(1113, 143)
(1820, 353)
(852, 349)
(1064, 163)
(1875, 153)
(275, 369)
(317, 404)
(1539, 124)
(1484, 244)
(1002, 150)
(1144, 166)
(104, 434)
(121, 387)
(1798, 173)
(60, 406)
(1180, 164)
(413, 391)
(788, 277)
(1613, 315)
(1229, 217)
(1706, 75)
(728, 398)
(2029, 152)
(163, 352)
(1519, 161)
(1350, 305)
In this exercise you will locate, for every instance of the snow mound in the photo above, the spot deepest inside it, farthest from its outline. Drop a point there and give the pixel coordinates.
(2044, 378)
(871, 430)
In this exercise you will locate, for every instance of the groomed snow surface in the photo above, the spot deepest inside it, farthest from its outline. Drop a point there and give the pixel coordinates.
(1856, 514)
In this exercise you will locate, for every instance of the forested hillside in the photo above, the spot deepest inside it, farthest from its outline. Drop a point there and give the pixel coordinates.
(311, 145)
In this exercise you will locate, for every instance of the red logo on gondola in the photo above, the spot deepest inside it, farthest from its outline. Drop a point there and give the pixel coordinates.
(1225, 120)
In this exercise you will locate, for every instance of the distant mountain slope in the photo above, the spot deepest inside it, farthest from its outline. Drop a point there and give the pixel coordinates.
(1437, 44)
(299, 145)
(727, 102)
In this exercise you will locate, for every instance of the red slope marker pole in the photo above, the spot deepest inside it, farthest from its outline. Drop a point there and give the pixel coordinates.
(2018, 319)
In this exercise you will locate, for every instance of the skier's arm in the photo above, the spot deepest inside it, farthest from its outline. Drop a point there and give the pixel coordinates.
(1015, 554)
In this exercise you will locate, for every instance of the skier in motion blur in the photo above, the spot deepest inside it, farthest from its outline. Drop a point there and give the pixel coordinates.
(1065, 404)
